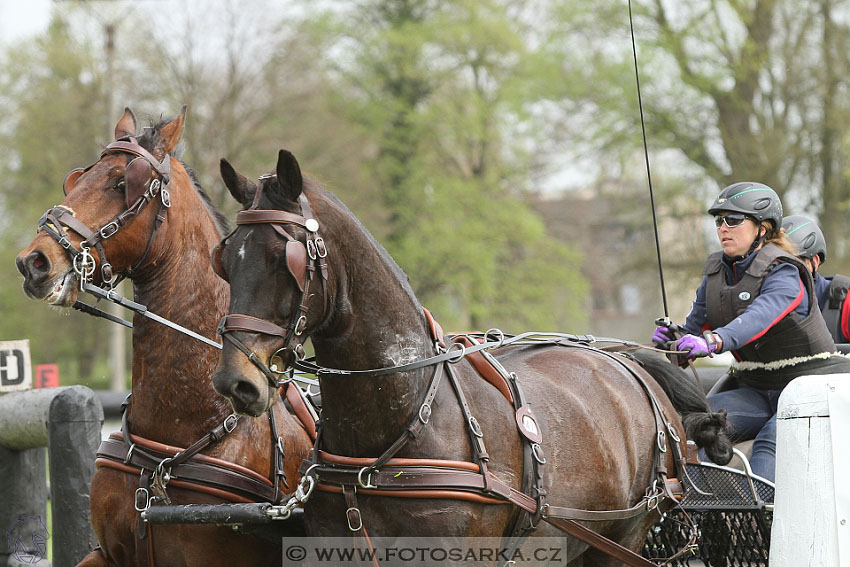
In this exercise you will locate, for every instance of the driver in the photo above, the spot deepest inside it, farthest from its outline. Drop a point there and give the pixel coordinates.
(831, 291)
(757, 301)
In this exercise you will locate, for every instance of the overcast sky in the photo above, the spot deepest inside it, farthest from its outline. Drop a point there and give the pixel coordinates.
(20, 18)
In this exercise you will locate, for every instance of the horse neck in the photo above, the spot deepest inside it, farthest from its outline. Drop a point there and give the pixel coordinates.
(173, 400)
(376, 323)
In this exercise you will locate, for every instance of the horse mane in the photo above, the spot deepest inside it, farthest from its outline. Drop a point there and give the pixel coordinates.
(219, 218)
(395, 269)
(146, 140)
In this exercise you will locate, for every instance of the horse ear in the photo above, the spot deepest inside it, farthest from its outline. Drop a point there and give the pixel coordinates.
(169, 135)
(289, 175)
(127, 125)
(242, 188)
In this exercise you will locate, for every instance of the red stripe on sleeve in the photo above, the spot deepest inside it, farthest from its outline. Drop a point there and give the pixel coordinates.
(845, 318)
(788, 310)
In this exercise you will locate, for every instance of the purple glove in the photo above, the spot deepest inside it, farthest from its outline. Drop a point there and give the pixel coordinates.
(695, 346)
(664, 334)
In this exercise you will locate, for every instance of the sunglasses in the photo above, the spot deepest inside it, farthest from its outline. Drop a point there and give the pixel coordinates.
(731, 220)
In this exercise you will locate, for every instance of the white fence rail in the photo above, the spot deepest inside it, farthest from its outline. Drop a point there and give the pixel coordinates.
(811, 522)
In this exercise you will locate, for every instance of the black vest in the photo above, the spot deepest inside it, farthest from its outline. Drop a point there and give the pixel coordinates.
(793, 336)
(835, 298)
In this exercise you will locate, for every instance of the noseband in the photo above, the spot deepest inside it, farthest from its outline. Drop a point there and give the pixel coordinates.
(145, 178)
(303, 259)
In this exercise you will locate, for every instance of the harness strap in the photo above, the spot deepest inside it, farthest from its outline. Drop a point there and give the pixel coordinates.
(132, 147)
(207, 472)
(392, 480)
(600, 542)
(413, 430)
(300, 407)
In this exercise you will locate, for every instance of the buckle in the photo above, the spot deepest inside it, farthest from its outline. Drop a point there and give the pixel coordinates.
(109, 230)
(230, 422)
(321, 249)
(142, 499)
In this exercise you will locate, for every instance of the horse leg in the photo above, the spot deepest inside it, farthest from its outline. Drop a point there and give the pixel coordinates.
(94, 559)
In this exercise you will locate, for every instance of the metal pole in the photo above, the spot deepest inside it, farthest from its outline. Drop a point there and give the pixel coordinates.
(117, 334)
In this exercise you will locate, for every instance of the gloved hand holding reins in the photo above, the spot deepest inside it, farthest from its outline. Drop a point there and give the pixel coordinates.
(695, 346)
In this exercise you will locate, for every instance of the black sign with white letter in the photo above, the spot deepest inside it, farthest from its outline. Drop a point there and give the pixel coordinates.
(15, 367)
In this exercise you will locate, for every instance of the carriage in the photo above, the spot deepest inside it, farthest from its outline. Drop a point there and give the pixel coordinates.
(570, 411)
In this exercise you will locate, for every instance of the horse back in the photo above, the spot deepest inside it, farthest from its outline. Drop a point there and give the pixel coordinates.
(596, 419)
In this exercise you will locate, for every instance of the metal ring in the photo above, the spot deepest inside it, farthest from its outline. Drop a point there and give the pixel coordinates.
(84, 264)
(368, 480)
(498, 333)
(652, 502)
(475, 427)
(461, 352)
(537, 453)
(672, 432)
(426, 409)
(662, 442)
(129, 453)
(299, 325)
(273, 365)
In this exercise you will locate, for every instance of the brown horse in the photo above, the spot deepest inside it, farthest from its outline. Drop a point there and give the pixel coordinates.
(141, 211)
(596, 423)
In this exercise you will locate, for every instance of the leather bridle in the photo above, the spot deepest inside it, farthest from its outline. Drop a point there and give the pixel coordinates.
(145, 179)
(303, 260)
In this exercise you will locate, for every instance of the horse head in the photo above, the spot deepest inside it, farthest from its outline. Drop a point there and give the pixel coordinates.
(106, 225)
(275, 263)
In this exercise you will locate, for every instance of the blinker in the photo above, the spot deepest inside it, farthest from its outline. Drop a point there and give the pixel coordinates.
(136, 178)
(296, 261)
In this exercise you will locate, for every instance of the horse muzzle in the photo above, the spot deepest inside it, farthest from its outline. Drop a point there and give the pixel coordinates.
(248, 396)
(42, 282)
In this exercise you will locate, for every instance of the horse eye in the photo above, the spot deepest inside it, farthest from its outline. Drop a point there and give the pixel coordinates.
(119, 185)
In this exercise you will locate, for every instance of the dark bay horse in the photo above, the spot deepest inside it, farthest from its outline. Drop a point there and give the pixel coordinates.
(141, 211)
(596, 422)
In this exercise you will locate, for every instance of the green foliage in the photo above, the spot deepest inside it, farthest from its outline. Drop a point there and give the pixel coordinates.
(56, 124)
(442, 89)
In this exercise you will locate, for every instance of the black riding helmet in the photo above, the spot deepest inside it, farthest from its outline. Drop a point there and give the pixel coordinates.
(806, 235)
(756, 200)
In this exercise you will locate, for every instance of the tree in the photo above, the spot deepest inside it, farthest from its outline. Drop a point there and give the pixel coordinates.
(740, 90)
(439, 85)
(56, 88)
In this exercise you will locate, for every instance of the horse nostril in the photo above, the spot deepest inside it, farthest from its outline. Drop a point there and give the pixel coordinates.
(245, 392)
(35, 266)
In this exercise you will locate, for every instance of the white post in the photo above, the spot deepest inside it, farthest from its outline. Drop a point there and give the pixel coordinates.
(812, 504)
